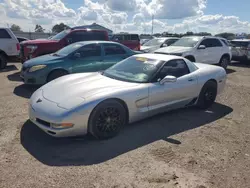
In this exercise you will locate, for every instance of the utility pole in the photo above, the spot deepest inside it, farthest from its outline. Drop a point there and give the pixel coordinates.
(152, 32)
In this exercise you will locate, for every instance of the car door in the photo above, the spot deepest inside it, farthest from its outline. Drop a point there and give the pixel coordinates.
(172, 94)
(204, 55)
(113, 53)
(87, 59)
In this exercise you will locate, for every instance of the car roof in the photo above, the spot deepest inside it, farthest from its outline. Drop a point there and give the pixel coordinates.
(160, 57)
(96, 41)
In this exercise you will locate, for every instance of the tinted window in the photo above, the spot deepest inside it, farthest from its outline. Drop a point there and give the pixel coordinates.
(91, 50)
(135, 37)
(175, 68)
(240, 43)
(86, 36)
(113, 49)
(4, 34)
(211, 43)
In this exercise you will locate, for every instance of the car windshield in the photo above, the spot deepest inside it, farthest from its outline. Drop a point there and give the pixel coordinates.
(67, 50)
(187, 42)
(134, 69)
(240, 43)
(60, 35)
(154, 42)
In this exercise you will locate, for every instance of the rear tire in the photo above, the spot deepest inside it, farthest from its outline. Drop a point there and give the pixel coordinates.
(207, 95)
(3, 61)
(56, 74)
(224, 61)
(107, 119)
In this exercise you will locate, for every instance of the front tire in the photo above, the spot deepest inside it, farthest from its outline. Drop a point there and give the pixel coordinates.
(56, 74)
(207, 95)
(107, 119)
(3, 61)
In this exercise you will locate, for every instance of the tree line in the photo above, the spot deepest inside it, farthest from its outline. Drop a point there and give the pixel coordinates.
(39, 29)
(60, 27)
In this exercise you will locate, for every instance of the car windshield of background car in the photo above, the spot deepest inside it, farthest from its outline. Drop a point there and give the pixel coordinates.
(60, 35)
(187, 42)
(154, 42)
(134, 69)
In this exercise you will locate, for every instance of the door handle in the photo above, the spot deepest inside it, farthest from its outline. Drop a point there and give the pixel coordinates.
(191, 79)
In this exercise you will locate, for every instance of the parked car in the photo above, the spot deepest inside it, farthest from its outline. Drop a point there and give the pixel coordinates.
(9, 46)
(79, 57)
(130, 40)
(240, 50)
(35, 48)
(21, 39)
(155, 44)
(135, 88)
(203, 49)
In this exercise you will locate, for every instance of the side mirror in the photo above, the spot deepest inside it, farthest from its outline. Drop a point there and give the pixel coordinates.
(168, 79)
(202, 47)
(76, 55)
(164, 45)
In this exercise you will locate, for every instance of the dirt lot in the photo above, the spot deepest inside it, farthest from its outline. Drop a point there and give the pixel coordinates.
(184, 148)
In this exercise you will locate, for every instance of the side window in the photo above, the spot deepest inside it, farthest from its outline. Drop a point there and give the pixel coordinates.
(91, 50)
(209, 43)
(126, 37)
(177, 68)
(118, 37)
(215, 43)
(113, 49)
(135, 37)
(4, 34)
(225, 42)
(206, 43)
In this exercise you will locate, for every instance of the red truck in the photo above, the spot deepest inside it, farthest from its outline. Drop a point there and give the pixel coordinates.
(130, 40)
(34, 48)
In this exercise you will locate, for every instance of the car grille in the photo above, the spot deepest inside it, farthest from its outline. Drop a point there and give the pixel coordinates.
(45, 123)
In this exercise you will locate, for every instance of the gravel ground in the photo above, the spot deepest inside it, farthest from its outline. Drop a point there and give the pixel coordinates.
(180, 149)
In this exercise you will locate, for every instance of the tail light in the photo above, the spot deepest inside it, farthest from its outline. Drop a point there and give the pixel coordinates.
(18, 46)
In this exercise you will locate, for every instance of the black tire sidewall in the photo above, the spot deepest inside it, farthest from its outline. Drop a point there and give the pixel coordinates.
(3, 61)
(202, 103)
(95, 113)
(56, 74)
(228, 61)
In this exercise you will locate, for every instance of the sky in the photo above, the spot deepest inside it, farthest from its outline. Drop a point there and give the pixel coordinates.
(179, 16)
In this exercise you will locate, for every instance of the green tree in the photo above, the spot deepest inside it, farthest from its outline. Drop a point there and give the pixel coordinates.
(39, 29)
(228, 36)
(15, 27)
(59, 27)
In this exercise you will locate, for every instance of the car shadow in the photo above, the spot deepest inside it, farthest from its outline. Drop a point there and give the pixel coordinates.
(9, 68)
(88, 151)
(240, 64)
(25, 91)
(15, 77)
(230, 71)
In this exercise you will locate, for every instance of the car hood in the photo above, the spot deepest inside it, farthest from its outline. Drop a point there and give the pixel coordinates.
(72, 90)
(174, 49)
(39, 41)
(149, 47)
(42, 60)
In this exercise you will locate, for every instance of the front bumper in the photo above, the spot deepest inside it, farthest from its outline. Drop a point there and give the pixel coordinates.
(44, 113)
(33, 78)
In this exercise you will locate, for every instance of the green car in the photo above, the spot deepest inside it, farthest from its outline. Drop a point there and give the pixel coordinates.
(88, 56)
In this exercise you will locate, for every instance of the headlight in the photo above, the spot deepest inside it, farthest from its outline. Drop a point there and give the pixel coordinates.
(36, 67)
(62, 125)
(32, 48)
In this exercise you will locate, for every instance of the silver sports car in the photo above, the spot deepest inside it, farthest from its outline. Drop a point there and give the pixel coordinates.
(140, 86)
